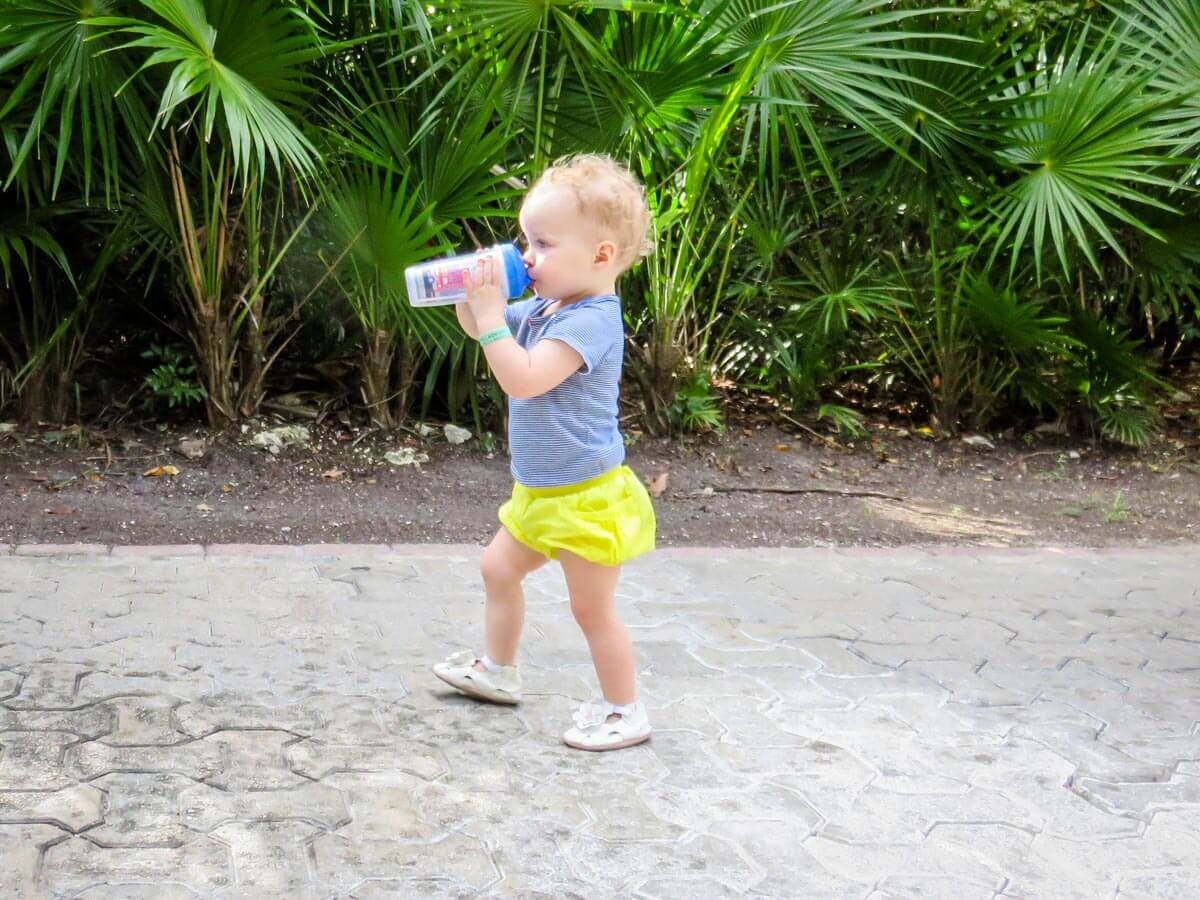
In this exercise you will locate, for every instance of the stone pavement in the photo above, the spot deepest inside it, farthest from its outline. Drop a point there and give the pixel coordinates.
(261, 722)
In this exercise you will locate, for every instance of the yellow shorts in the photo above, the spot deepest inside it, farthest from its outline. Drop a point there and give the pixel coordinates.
(608, 519)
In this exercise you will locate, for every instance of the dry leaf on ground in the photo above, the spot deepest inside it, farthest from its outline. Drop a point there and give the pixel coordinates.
(657, 484)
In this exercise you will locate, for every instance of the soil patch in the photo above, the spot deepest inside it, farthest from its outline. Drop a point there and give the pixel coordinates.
(757, 485)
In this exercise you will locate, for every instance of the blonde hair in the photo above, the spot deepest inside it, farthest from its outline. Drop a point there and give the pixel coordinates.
(611, 196)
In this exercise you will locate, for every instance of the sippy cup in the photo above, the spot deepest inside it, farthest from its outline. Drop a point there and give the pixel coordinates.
(437, 282)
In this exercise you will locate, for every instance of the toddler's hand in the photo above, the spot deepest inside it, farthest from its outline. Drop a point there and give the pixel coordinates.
(483, 292)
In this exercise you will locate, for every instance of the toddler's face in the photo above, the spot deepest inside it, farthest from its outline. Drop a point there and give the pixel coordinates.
(561, 246)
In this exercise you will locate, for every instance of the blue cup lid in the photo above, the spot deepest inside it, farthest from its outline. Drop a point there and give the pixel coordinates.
(514, 270)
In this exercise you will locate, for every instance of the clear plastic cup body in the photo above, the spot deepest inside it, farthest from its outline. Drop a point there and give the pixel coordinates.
(438, 282)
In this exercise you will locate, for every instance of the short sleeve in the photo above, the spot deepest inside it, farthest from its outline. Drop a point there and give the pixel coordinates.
(591, 331)
(515, 313)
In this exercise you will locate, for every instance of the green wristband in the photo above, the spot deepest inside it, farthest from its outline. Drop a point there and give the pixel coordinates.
(496, 334)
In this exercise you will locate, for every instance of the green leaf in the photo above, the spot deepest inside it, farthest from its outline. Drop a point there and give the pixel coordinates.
(1084, 143)
(246, 60)
(64, 92)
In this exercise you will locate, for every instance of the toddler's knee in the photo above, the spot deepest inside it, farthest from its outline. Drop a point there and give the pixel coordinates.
(590, 616)
(498, 571)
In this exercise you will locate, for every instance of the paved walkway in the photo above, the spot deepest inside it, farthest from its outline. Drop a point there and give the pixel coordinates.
(261, 722)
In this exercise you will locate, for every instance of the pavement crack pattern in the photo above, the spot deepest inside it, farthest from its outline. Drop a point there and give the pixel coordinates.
(828, 724)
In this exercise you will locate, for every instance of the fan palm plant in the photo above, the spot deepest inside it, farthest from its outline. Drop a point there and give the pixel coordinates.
(31, 257)
(63, 92)
(379, 226)
(408, 177)
(229, 139)
(247, 60)
(1167, 32)
(829, 67)
(789, 147)
(838, 295)
(1086, 141)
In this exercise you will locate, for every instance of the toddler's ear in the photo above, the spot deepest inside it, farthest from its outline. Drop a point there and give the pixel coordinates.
(606, 252)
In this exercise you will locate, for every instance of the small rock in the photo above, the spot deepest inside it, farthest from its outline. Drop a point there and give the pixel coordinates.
(8, 427)
(405, 456)
(275, 439)
(1050, 428)
(193, 448)
(425, 430)
(978, 440)
(456, 435)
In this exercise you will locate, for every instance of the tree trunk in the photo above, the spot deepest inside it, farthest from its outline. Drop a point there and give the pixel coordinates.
(252, 362)
(46, 397)
(215, 368)
(408, 364)
(655, 367)
(378, 353)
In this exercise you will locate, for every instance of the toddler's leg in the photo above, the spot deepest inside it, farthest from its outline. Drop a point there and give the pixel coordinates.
(505, 563)
(593, 589)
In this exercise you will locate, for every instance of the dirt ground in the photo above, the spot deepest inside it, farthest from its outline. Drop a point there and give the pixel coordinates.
(759, 484)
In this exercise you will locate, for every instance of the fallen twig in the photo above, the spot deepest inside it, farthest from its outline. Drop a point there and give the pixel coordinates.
(354, 443)
(304, 412)
(1021, 459)
(829, 442)
(770, 489)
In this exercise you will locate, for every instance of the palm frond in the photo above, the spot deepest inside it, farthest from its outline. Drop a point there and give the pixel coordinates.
(63, 91)
(1168, 32)
(1084, 143)
(831, 57)
(244, 59)
(23, 234)
(379, 227)
(953, 87)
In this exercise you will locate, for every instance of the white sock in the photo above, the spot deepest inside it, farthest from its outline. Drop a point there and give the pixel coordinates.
(625, 710)
(489, 665)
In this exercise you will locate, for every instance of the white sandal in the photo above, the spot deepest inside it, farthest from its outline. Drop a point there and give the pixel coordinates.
(460, 673)
(598, 727)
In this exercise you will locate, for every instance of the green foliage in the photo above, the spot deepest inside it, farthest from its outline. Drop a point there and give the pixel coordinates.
(986, 205)
(847, 421)
(807, 343)
(1086, 142)
(244, 59)
(1111, 381)
(696, 406)
(64, 88)
(172, 382)
(1037, 16)
(1118, 512)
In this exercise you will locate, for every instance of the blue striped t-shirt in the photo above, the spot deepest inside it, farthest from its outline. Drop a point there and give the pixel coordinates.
(570, 433)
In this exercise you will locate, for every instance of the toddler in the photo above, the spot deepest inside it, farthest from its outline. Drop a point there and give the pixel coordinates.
(558, 357)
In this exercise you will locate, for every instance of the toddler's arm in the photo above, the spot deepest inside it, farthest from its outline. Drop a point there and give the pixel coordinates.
(466, 319)
(521, 373)
(530, 373)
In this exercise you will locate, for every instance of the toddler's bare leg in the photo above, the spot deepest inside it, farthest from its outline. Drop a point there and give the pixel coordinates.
(504, 565)
(593, 589)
